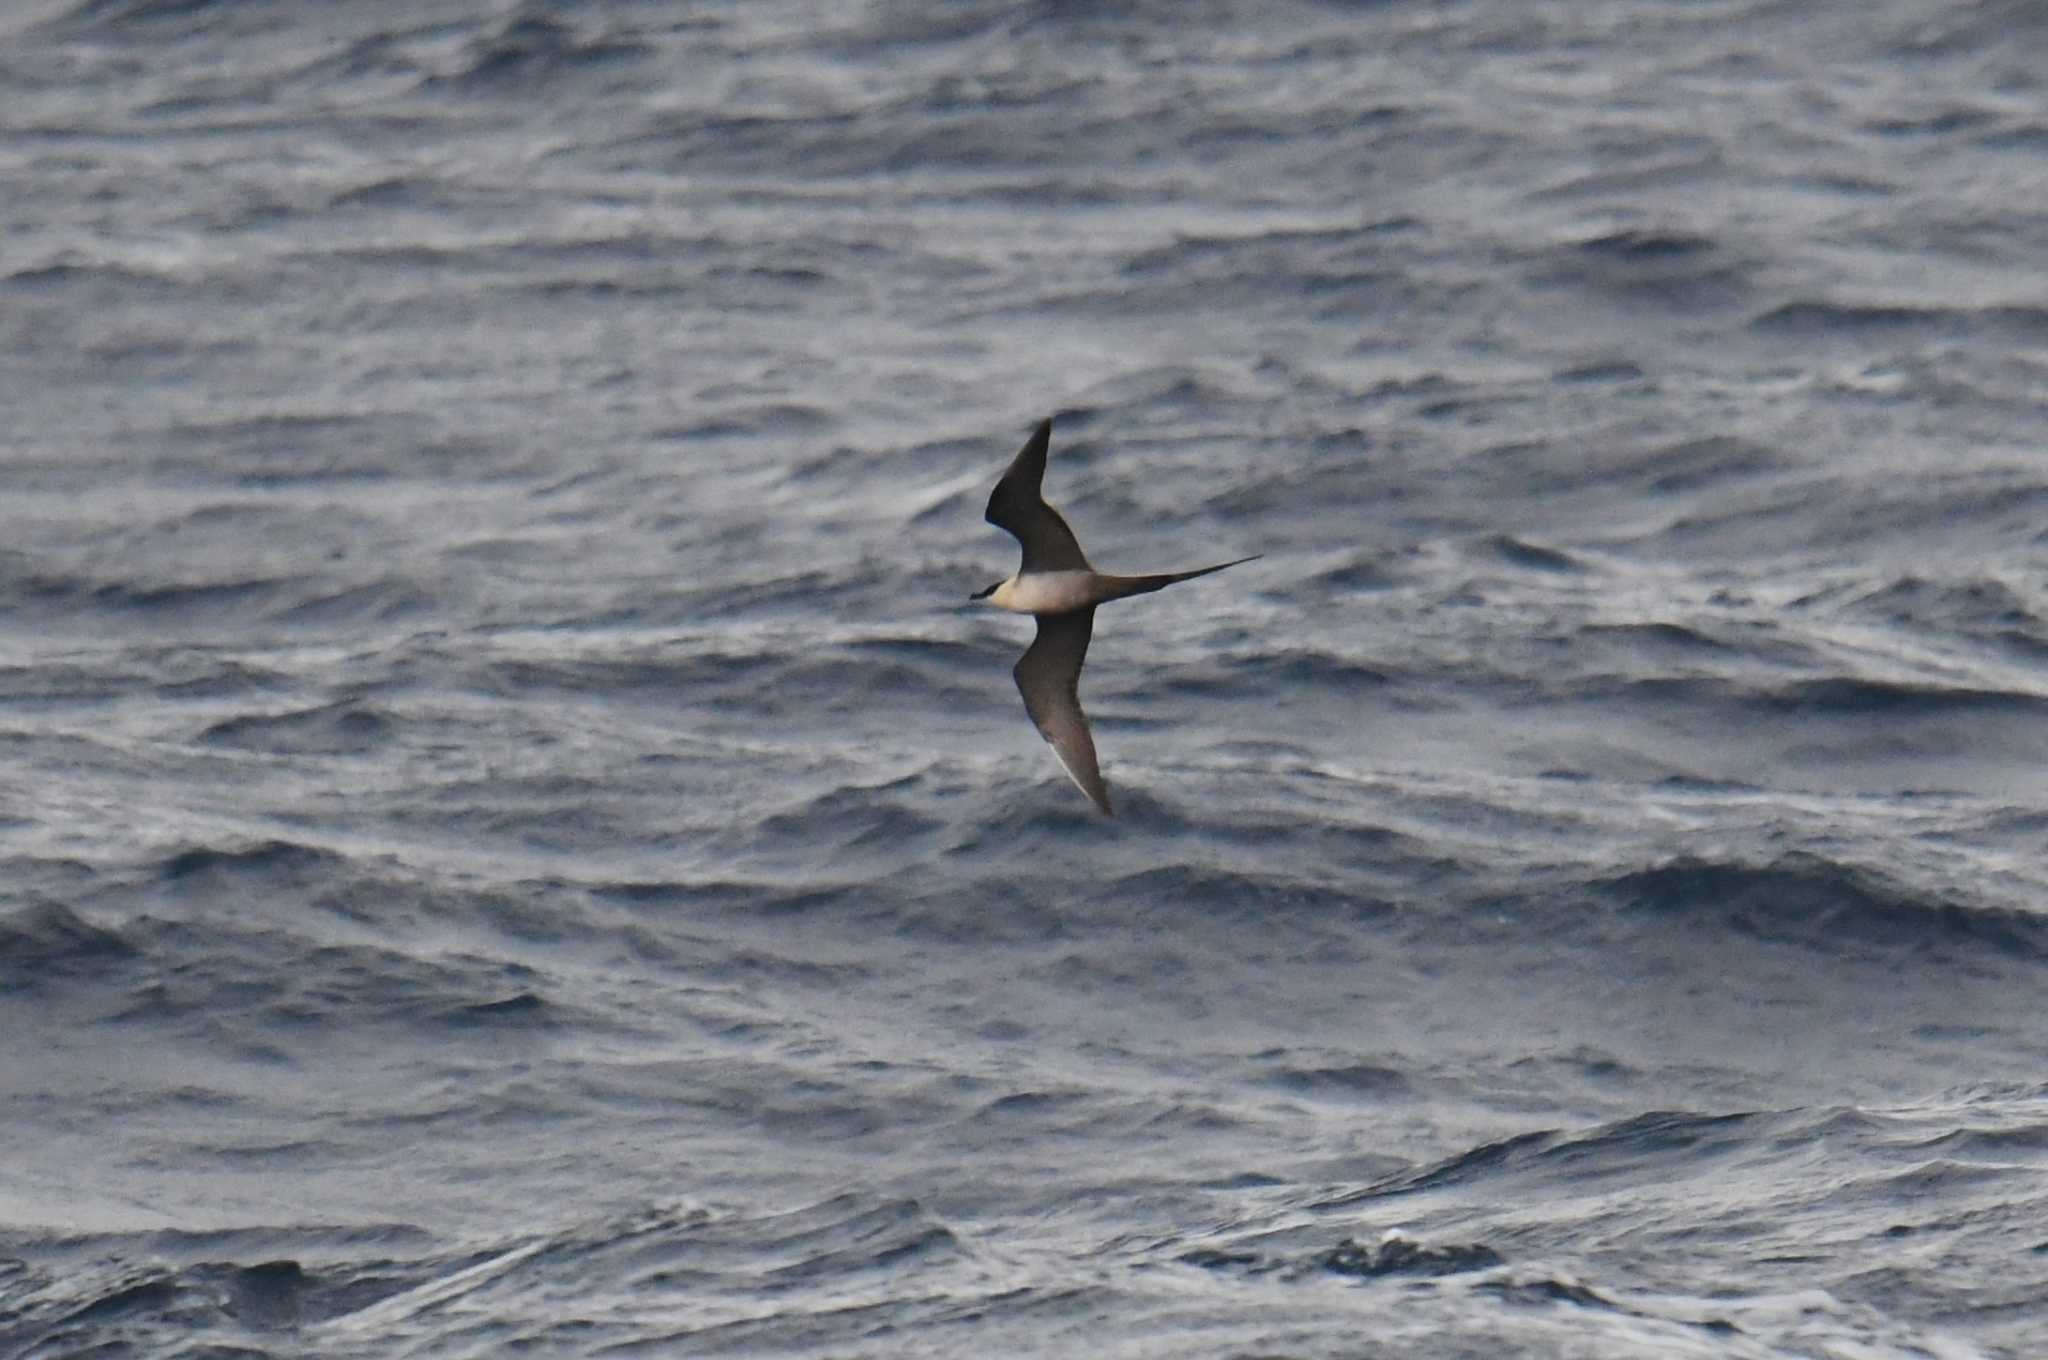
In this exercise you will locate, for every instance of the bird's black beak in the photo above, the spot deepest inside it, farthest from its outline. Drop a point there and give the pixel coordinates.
(985, 593)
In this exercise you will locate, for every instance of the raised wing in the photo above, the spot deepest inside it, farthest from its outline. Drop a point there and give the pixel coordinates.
(1018, 506)
(1049, 678)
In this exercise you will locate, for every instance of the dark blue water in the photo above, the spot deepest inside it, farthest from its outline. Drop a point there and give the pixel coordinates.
(515, 842)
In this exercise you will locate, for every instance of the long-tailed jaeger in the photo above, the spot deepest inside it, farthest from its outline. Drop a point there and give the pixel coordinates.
(1056, 584)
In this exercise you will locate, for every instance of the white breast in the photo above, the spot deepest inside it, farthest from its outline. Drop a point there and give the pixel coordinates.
(1045, 592)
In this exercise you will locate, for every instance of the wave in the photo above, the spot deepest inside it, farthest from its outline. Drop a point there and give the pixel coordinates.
(150, 15)
(1654, 1144)
(1902, 705)
(1841, 696)
(165, 602)
(1363, 572)
(1324, 251)
(849, 820)
(815, 682)
(101, 277)
(641, 1265)
(348, 727)
(50, 936)
(1660, 639)
(1825, 904)
(529, 50)
(1261, 896)
(1977, 29)
(1649, 267)
(1348, 1081)
(162, 1292)
(1394, 1255)
(1715, 460)
(1986, 609)
(1509, 550)
(276, 861)
(1660, 475)
(1818, 319)
(276, 998)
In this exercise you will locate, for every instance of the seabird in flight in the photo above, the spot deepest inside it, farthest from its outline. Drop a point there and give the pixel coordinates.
(1057, 586)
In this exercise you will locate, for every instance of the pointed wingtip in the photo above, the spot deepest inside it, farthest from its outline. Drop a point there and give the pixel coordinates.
(1016, 504)
(1091, 783)
(1040, 440)
(1097, 791)
(1099, 798)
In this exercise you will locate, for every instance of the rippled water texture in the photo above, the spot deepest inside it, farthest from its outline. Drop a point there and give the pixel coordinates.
(515, 840)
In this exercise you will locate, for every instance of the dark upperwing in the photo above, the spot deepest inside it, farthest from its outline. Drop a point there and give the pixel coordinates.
(1049, 677)
(1016, 505)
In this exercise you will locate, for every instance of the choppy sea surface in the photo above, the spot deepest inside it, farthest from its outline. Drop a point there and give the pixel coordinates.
(515, 842)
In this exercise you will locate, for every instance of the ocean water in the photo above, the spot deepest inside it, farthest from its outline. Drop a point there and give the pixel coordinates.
(516, 843)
